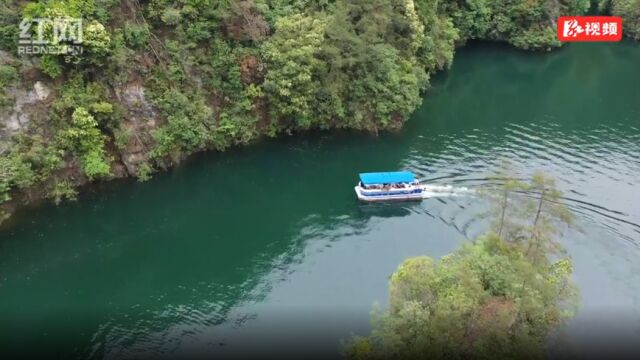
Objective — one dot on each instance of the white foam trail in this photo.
(444, 191)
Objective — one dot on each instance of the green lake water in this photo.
(266, 247)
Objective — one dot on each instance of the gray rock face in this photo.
(17, 118)
(5, 58)
(141, 119)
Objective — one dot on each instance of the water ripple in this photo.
(578, 159)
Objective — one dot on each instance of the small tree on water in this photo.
(528, 214)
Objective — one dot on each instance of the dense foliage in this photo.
(498, 297)
(629, 10)
(165, 78)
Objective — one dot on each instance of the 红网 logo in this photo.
(589, 28)
(60, 36)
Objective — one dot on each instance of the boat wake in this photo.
(430, 191)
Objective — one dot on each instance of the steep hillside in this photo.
(161, 79)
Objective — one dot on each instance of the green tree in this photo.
(436, 52)
(85, 139)
(529, 214)
(522, 23)
(293, 67)
(96, 40)
(187, 129)
(9, 20)
(8, 77)
(14, 172)
(629, 10)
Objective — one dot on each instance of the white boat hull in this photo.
(414, 193)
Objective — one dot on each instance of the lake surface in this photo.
(266, 246)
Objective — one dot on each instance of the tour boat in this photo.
(388, 186)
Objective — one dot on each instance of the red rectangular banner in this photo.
(589, 28)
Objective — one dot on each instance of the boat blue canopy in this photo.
(387, 177)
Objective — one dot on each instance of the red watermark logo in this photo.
(589, 28)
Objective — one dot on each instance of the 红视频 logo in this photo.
(589, 28)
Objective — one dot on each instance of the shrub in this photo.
(84, 139)
(62, 190)
(8, 74)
